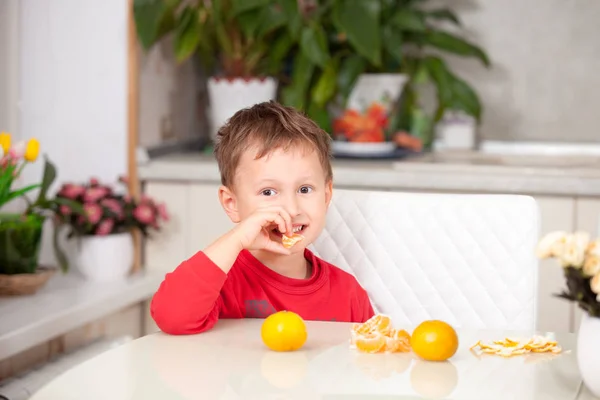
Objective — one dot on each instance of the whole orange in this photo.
(434, 340)
(284, 331)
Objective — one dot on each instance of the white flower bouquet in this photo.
(580, 258)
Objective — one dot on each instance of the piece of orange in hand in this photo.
(289, 241)
(434, 340)
(284, 331)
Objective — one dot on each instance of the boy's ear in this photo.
(328, 191)
(229, 203)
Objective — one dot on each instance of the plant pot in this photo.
(25, 284)
(227, 96)
(370, 88)
(105, 258)
(20, 241)
(588, 352)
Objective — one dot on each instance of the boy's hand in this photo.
(254, 233)
(251, 234)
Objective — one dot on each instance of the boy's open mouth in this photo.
(295, 229)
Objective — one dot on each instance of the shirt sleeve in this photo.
(188, 300)
(366, 309)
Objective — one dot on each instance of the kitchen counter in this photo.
(568, 175)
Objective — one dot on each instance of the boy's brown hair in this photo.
(268, 126)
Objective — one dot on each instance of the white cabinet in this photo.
(207, 218)
(167, 248)
(198, 219)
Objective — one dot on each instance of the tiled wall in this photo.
(544, 85)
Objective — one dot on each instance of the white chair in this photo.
(466, 259)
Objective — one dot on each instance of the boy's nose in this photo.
(292, 206)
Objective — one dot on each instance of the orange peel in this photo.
(509, 347)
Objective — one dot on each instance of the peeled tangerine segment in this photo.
(290, 241)
(377, 336)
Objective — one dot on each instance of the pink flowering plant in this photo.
(107, 211)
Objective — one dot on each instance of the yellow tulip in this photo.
(5, 141)
(32, 150)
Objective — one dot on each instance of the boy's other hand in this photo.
(257, 231)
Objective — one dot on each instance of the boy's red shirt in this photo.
(197, 293)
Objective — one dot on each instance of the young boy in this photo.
(276, 184)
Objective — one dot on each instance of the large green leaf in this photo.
(407, 19)
(292, 13)
(250, 21)
(454, 44)
(360, 21)
(320, 115)
(444, 14)
(325, 87)
(350, 69)
(187, 34)
(48, 178)
(314, 44)
(465, 98)
(241, 6)
(441, 76)
(279, 50)
(153, 19)
(271, 19)
(295, 94)
(392, 43)
(58, 251)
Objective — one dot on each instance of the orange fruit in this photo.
(378, 323)
(284, 331)
(434, 340)
(370, 343)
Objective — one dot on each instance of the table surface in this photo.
(231, 362)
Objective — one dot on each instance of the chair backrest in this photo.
(466, 259)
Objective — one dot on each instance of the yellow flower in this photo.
(32, 150)
(5, 141)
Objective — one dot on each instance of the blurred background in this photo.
(124, 98)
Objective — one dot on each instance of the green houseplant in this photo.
(232, 38)
(341, 40)
(21, 233)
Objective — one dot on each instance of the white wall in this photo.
(73, 87)
(544, 84)
(9, 64)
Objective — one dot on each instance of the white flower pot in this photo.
(229, 96)
(105, 258)
(588, 352)
(371, 88)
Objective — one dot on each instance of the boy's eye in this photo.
(268, 192)
(305, 189)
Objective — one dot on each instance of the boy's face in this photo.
(292, 179)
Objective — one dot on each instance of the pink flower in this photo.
(114, 206)
(105, 227)
(93, 212)
(162, 211)
(64, 210)
(17, 151)
(127, 199)
(94, 182)
(144, 214)
(71, 191)
(95, 193)
(124, 179)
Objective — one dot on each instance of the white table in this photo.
(230, 362)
